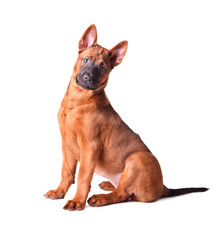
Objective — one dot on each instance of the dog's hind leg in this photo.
(141, 181)
(104, 199)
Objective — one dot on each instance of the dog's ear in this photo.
(117, 53)
(88, 38)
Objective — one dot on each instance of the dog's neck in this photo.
(77, 97)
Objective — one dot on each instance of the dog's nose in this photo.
(87, 78)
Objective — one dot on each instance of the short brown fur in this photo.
(95, 135)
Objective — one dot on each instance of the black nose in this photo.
(87, 78)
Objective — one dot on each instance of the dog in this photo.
(94, 135)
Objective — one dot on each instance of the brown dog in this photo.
(95, 135)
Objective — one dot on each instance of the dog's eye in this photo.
(102, 68)
(85, 60)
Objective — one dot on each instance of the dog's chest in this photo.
(70, 120)
(70, 124)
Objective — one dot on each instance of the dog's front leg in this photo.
(88, 160)
(68, 175)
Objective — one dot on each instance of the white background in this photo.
(169, 89)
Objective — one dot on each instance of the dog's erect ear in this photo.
(89, 37)
(117, 53)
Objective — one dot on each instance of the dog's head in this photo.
(94, 62)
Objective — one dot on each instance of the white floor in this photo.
(26, 214)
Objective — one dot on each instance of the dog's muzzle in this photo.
(86, 81)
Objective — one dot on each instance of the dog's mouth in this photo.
(85, 85)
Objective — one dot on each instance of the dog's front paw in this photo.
(73, 205)
(55, 194)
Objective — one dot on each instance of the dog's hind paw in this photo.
(107, 186)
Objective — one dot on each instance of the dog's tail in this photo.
(181, 191)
